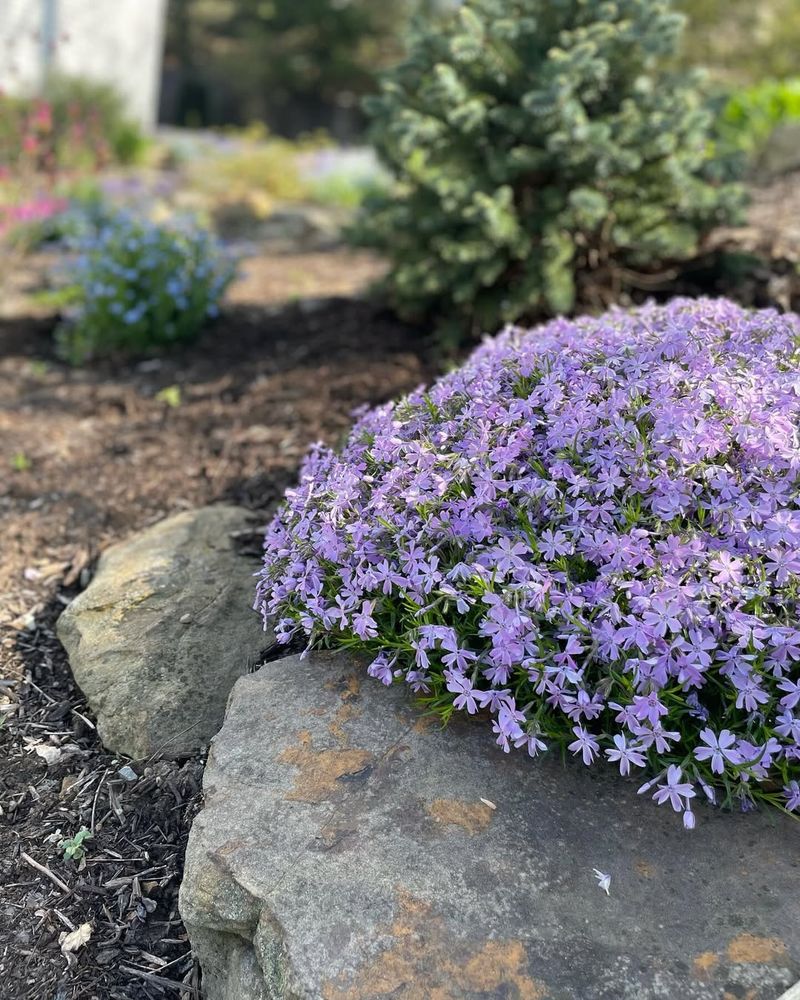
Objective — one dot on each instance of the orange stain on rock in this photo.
(425, 962)
(705, 964)
(320, 770)
(336, 727)
(425, 723)
(750, 949)
(470, 816)
(347, 688)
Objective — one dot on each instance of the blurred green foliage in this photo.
(101, 112)
(538, 146)
(74, 125)
(743, 41)
(748, 118)
(290, 63)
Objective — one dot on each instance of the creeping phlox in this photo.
(590, 532)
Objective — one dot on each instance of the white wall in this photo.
(117, 41)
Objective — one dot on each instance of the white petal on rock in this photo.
(603, 880)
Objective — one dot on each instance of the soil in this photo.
(89, 456)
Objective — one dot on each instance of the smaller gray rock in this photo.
(164, 629)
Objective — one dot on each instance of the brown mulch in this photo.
(124, 888)
(89, 456)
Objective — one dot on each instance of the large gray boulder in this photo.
(164, 629)
(349, 849)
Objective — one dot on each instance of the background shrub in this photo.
(536, 144)
(140, 287)
(91, 112)
(589, 530)
(742, 42)
(748, 117)
(76, 125)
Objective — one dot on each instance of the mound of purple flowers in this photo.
(591, 531)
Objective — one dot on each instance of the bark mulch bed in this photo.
(88, 457)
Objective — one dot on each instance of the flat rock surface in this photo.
(346, 852)
(164, 629)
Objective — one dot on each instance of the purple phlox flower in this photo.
(584, 706)
(726, 569)
(364, 625)
(788, 726)
(625, 714)
(463, 601)
(783, 564)
(648, 707)
(508, 555)
(461, 571)
(662, 616)
(386, 573)
(750, 694)
(585, 744)
(675, 791)
(381, 668)
(498, 673)
(785, 650)
(718, 749)
(420, 647)
(792, 689)
(461, 686)
(625, 754)
(456, 657)
(553, 544)
(697, 646)
(493, 698)
(608, 640)
(506, 725)
(338, 612)
(696, 709)
(748, 628)
(656, 736)
(635, 633)
(784, 526)
(609, 480)
(792, 793)
(419, 681)
(412, 557)
(532, 743)
(757, 759)
(433, 634)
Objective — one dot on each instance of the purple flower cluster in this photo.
(591, 533)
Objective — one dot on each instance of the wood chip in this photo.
(75, 939)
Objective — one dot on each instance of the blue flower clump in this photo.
(590, 534)
(139, 287)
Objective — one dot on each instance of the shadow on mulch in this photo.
(245, 338)
(126, 885)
